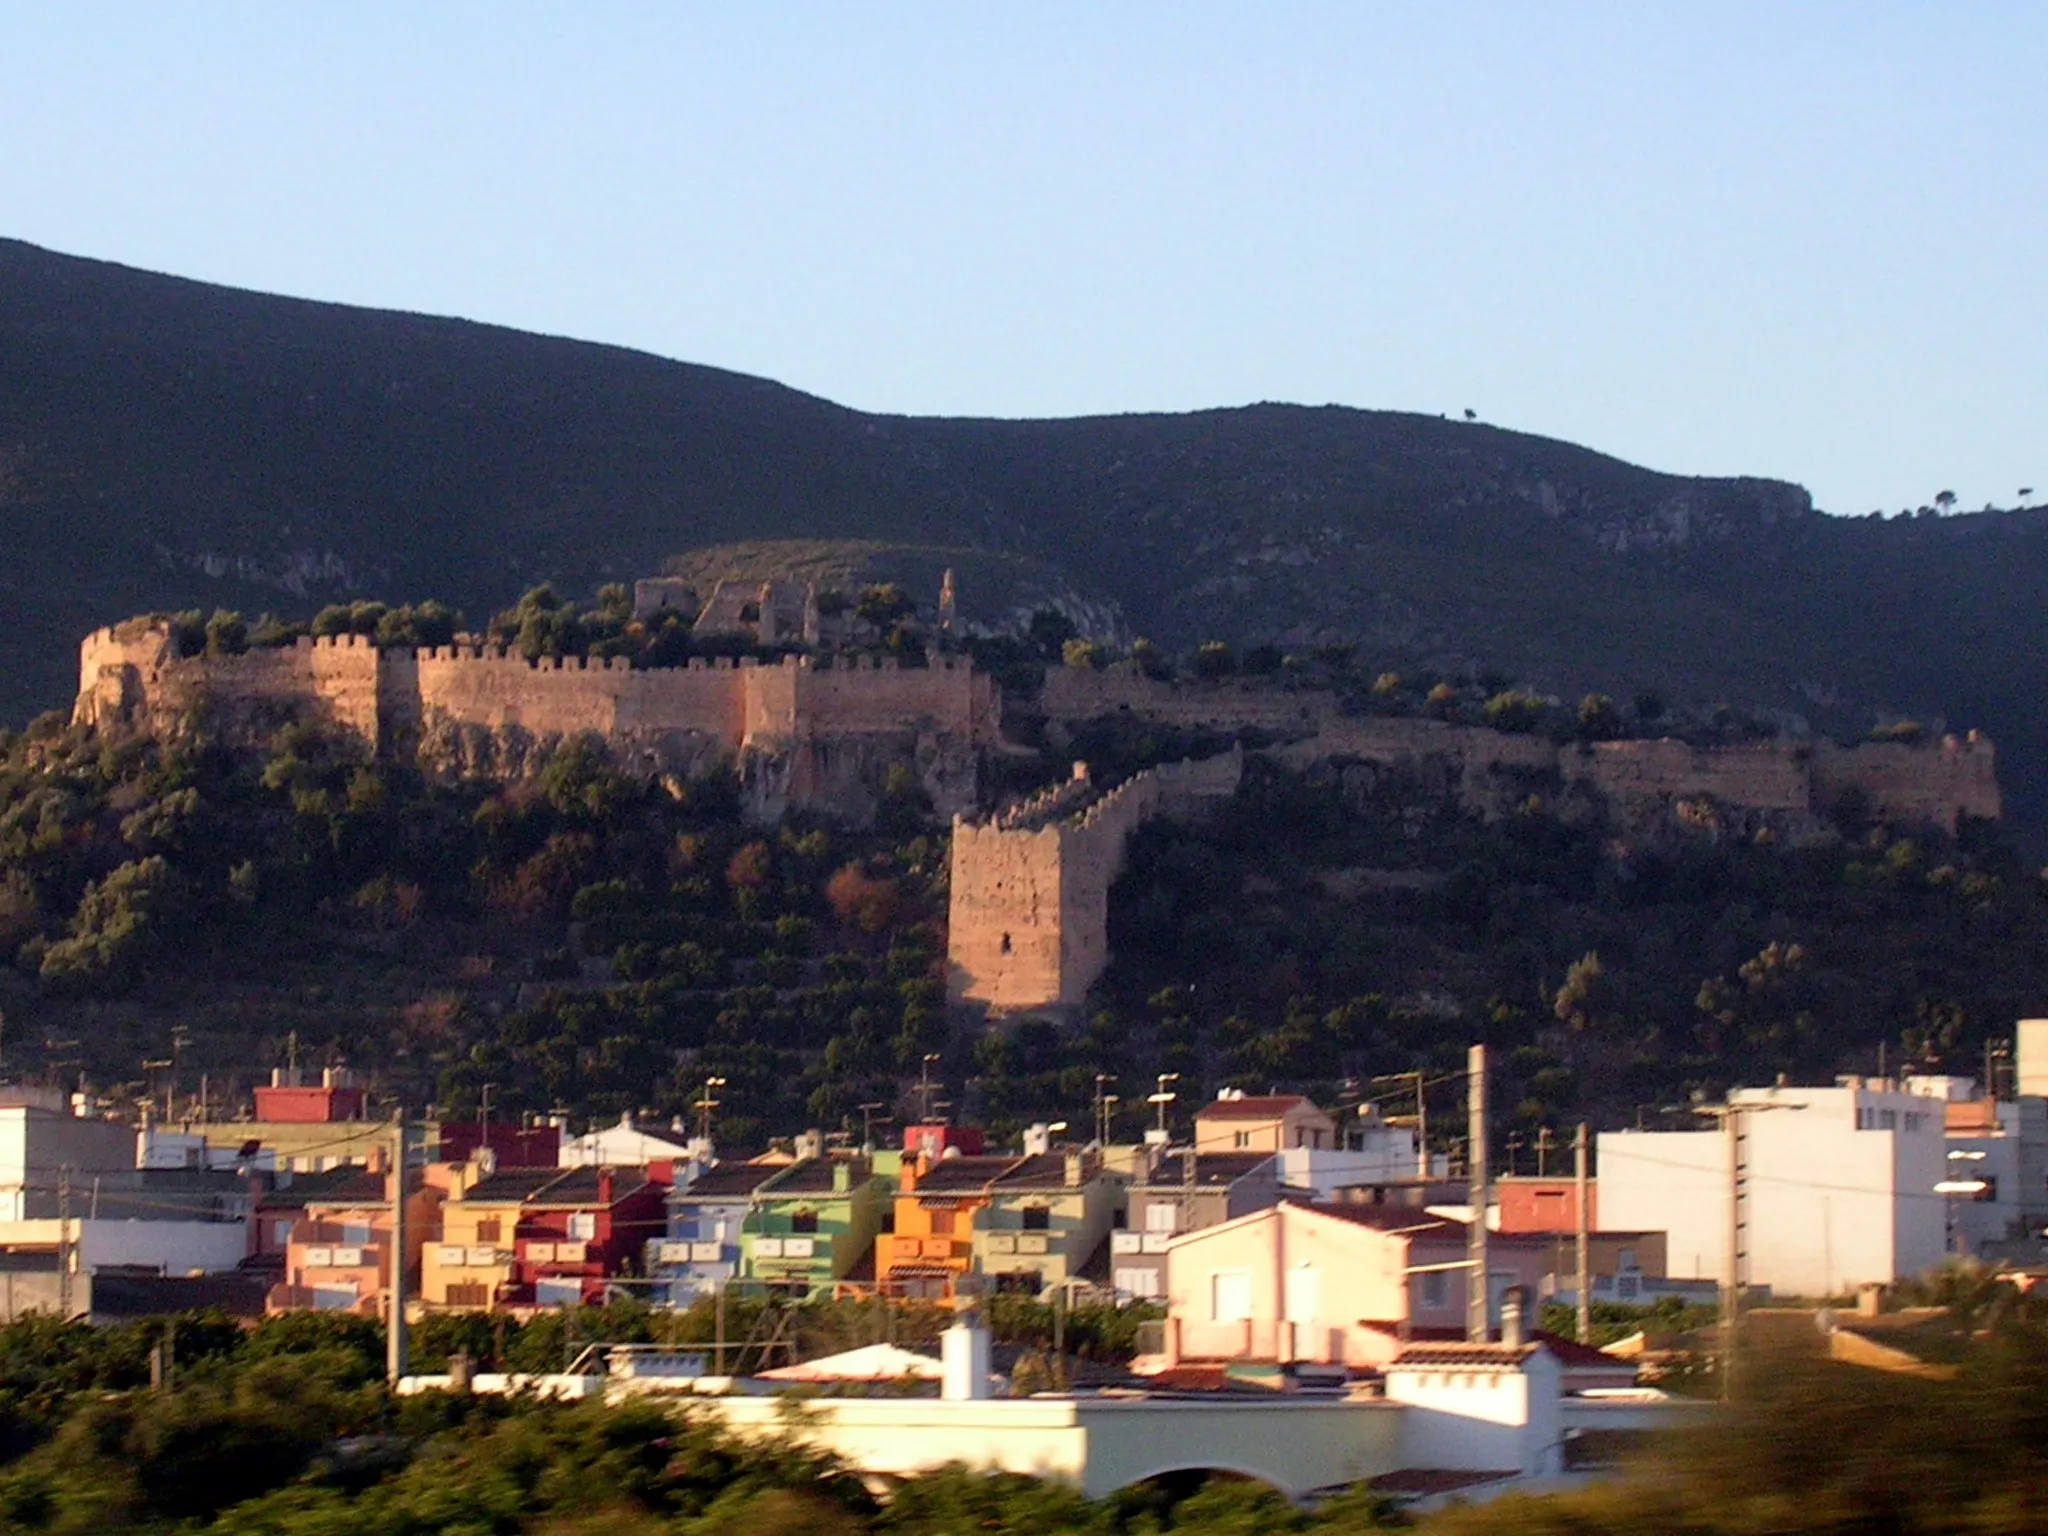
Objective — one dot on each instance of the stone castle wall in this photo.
(799, 734)
(1029, 920)
(1938, 783)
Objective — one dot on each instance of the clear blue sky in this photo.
(1807, 240)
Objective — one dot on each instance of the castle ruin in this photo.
(1029, 919)
(799, 734)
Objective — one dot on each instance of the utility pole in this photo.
(1422, 1168)
(1585, 1231)
(394, 1332)
(1478, 1319)
(1543, 1152)
(1732, 1117)
(867, 1123)
(1731, 1268)
(64, 1243)
(1103, 1100)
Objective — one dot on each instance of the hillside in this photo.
(168, 444)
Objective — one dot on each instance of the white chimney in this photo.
(963, 1360)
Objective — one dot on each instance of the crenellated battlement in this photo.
(1029, 919)
(798, 732)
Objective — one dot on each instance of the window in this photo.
(1006, 943)
(1241, 1140)
(1304, 1294)
(1138, 1284)
(942, 1223)
(1019, 1282)
(1230, 1296)
(355, 1233)
(583, 1225)
(489, 1229)
(1037, 1218)
(469, 1294)
(1162, 1217)
(803, 1221)
(1625, 1261)
(1436, 1288)
(281, 1232)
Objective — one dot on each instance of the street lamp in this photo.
(1162, 1097)
(705, 1105)
(924, 1086)
(1960, 1181)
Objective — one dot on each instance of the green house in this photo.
(812, 1224)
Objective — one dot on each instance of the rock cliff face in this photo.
(799, 735)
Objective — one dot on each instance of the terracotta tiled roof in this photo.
(1044, 1170)
(1264, 1107)
(1213, 1170)
(813, 1176)
(1580, 1356)
(1439, 1355)
(556, 1188)
(727, 1181)
(1405, 1220)
(510, 1184)
(963, 1175)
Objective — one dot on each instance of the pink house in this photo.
(1329, 1284)
(337, 1250)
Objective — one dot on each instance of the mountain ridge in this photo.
(167, 443)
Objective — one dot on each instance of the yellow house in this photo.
(1236, 1122)
(1047, 1216)
(474, 1262)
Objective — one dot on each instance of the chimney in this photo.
(1511, 1334)
(605, 1182)
(842, 1176)
(963, 1354)
(1075, 1173)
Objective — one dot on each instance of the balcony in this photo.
(694, 1253)
(555, 1253)
(812, 1248)
(471, 1256)
(341, 1256)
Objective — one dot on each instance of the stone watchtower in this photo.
(1029, 921)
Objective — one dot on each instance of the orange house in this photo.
(937, 1206)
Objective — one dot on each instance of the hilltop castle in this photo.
(1030, 886)
(800, 734)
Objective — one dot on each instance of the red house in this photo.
(544, 1236)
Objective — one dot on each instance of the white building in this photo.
(44, 1143)
(1997, 1175)
(631, 1145)
(1838, 1187)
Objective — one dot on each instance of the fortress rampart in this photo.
(799, 734)
(1937, 783)
(1029, 921)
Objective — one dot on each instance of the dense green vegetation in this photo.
(593, 944)
(1330, 928)
(287, 1430)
